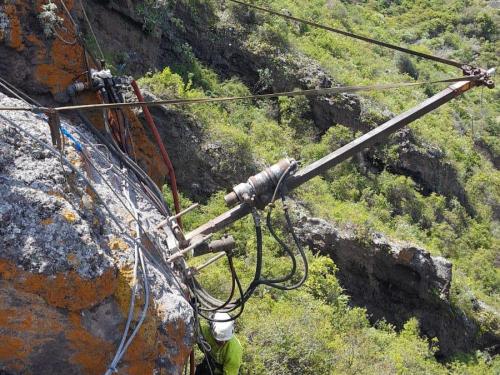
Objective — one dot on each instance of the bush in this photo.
(165, 84)
(405, 66)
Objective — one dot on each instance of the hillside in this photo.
(402, 239)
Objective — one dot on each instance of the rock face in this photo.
(427, 167)
(394, 282)
(66, 266)
(44, 66)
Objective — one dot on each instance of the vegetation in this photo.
(314, 330)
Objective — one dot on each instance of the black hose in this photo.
(240, 305)
(284, 246)
(302, 255)
(233, 287)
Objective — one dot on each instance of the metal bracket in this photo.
(484, 75)
(55, 127)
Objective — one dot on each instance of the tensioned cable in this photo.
(309, 92)
(92, 30)
(355, 36)
(18, 92)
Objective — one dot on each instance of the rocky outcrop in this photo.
(44, 66)
(66, 265)
(220, 40)
(425, 164)
(394, 281)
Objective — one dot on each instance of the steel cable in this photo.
(441, 60)
(310, 92)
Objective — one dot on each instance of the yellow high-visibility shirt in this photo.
(229, 355)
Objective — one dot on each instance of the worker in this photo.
(223, 354)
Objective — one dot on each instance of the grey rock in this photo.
(48, 227)
(394, 281)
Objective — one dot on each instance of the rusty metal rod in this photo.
(183, 252)
(209, 262)
(379, 133)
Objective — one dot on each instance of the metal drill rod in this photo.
(379, 133)
(209, 262)
(183, 252)
(172, 218)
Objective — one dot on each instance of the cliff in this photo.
(67, 253)
(66, 264)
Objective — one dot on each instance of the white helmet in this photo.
(222, 331)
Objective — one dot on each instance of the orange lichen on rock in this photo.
(12, 351)
(73, 260)
(15, 33)
(10, 318)
(146, 347)
(64, 290)
(47, 221)
(176, 333)
(91, 353)
(117, 244)
(147, 151)
(142, 353)
(40, 51)
(64, 65)
(24, 330)
(69, 216)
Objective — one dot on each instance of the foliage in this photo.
(315, 330)
(49, 19)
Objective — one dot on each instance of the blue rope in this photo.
(77, 144)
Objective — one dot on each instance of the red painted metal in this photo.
(163, 150)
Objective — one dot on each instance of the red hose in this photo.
(191, 363)
(163, 150)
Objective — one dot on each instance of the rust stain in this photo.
(65, 290)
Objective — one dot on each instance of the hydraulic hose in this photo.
(163, 150)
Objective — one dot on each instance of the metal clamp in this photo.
(484, 76)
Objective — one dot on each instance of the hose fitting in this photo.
(258, 189)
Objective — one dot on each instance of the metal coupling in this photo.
(485, 76)
(76, 88)
(225, 244)
(258, 189)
